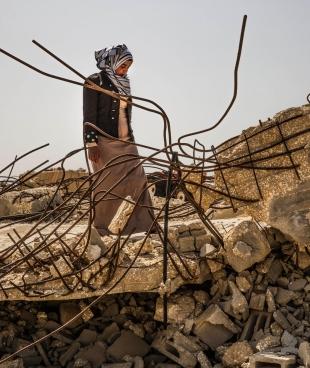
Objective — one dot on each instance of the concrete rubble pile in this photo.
(254, 311)
(240, 301)
(250, 310)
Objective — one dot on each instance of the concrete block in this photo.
(128, 344)
(186, 244)
(282, 321)
(176, 347)
(203, 360)
(69, 353)
(180, 307)
(206, 250)
(257, 321)
(257, 301)
(214, 327)
(261, 360)
(239, 303)
(284, 296)
(110, 333)
(87, 337)
(245, 244)
(94, 354)
(271, 305)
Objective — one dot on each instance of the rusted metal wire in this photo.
(234, 92)
(46, 244)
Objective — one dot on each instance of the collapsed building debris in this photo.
(232, 291)
(224, 322)
(249, 165)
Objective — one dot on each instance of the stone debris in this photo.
(245, 245)
(240, 303)
(180, 307)
(29, 201)
(177, 347)
(214, 327)
(127, 344)
(257, 360)
(122, 214)
(229, 318)
(237, 354)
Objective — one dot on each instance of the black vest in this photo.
(103, 110)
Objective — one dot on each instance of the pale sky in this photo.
(184, 55)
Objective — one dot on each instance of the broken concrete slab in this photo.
(110, 333)
(122, 214)
(180, 307)
(290, 212)
(214, 327)
(145, 275)
(284, 296)
(245, 245)
(268, 148)
(127, 344)
(69, 353)
(95, 354)
(203, 360)
(243, 283)
(176, 347)
(257, 301)
(239, 303)
(87, 337)
(288, 340)
(282, 321)
(256, 321)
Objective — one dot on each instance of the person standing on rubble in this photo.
(113, 138)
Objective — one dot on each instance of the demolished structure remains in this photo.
(223, 282)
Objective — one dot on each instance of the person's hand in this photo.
(93, 154)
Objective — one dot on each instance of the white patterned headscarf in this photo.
(109, 59)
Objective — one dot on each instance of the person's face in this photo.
(123, 68)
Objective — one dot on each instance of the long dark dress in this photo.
(130, 180)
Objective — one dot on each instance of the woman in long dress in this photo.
(113, 117)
